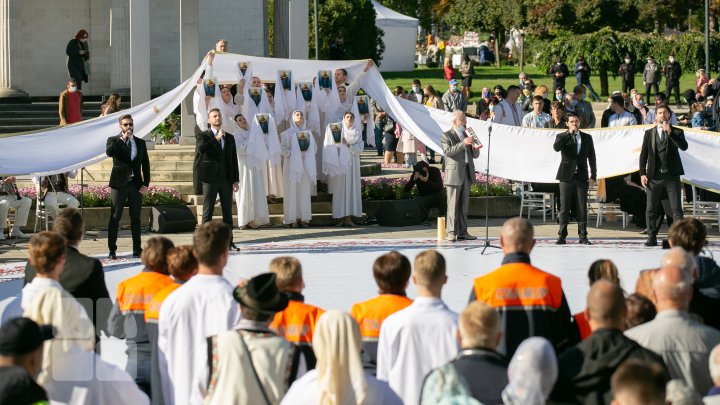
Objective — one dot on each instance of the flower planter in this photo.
(98, 217)
(500, 207)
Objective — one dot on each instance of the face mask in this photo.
(582, 97)
(559, 98)
(416, 89)
(627, 60)
(708, 109)
(671, 60)
(73, 89)
(453, 87)
(558, 63)
(486, 94)
(641, 103)
(573, 103)
(492, 108)
(461, 129)
(544, 95)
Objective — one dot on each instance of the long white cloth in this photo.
(284, 99)
(345, 186)
(251, 197)
(78, 145)
(298, 176)
(336, 157)
(413, 341)
(201, 307)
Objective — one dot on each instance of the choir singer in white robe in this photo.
(338, 377)
(251, 199)
(202, 307)
(299, 173)
(341, 163)
(421, 337)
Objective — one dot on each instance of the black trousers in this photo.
(648, 92)
(576, 188)
(118, 198)
(673, 86)
(210, 193)
(435, 200)
(627, 85)
(655, 192)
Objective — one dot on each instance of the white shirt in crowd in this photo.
(650, 117)
(508, 114)
(533, 120)
(305, 391)
(413, 341)
(623, 120)
(202, 307)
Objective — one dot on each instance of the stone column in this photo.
(8, 20)
(299, 47)
(189, 51)
(139, 51)
(281, 25)
(120, 47)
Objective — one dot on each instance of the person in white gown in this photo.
(341, 163)
(299, 173)
(251, 199)
(338, 377)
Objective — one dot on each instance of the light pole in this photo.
(317, 47)
(707, 37)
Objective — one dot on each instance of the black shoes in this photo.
(466, 237)
(651, 241)
(584, 241)
(112, 256)
(561, 241)
(234, 247)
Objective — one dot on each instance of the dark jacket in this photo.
(582, 72)
(485, 371)
(585, 369)
(572, 161)
(627, 72)
(83, 277)
(210, 152)
(76, 62)
(126, 170)
(672, 72)
(648, 154)
(708, 281)
(434, 183)
(561, 68)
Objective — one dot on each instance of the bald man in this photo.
(459, 171)
(530, 301)
(683, 343)
(586, 368)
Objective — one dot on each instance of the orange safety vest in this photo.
(296, 323)
(583, 325)
(152, 309)
(136, 292)
(371, 313)
(519, 285)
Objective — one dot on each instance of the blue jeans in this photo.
(379, 138)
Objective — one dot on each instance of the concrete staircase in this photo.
(171, 166)
(39, 115)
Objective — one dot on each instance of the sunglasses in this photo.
(127, 125)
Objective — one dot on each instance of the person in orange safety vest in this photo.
(392, 274)
(127, 317)
(296, 323)
(530, 301)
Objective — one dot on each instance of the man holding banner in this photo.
(578, 151)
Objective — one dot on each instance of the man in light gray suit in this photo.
(459, 172)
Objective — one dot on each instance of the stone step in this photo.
(199, 199)
(156, 165)
(317, 220)
(322, 207)
(175, 176)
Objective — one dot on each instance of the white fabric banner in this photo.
(523, 154)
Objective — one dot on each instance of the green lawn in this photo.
(507, 75)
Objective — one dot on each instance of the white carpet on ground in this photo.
(339, 273)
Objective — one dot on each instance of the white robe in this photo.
(414, 341)
(78, 375)
(305, 391)
(202, 307)
(298, 188)
(251, 197)
(346, 188)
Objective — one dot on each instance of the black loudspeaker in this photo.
(399, 213)
(172, 219)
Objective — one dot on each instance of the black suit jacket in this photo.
(208, 156)
(123, 166)
(648, 154)
(83, 277)
(565, 144)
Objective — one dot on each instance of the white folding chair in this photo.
(705, 209)
(536, 201)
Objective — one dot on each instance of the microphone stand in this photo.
(486, 243)
(92, 237)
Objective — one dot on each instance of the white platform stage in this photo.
(339, 273)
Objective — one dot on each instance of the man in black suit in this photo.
(82, 276)
(217, 168)
(577, 151)
(129, 180)
(661, 168)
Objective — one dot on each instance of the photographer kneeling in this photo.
(431, 193)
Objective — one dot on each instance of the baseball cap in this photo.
(20, 336)
(453, 81)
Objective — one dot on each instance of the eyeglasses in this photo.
(127, 125)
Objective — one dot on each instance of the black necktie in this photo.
(128, 144)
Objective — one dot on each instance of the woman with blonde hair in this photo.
(338, 377)
(112, 105)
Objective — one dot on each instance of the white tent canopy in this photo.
(400, 38)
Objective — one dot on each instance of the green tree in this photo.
(352, 20)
